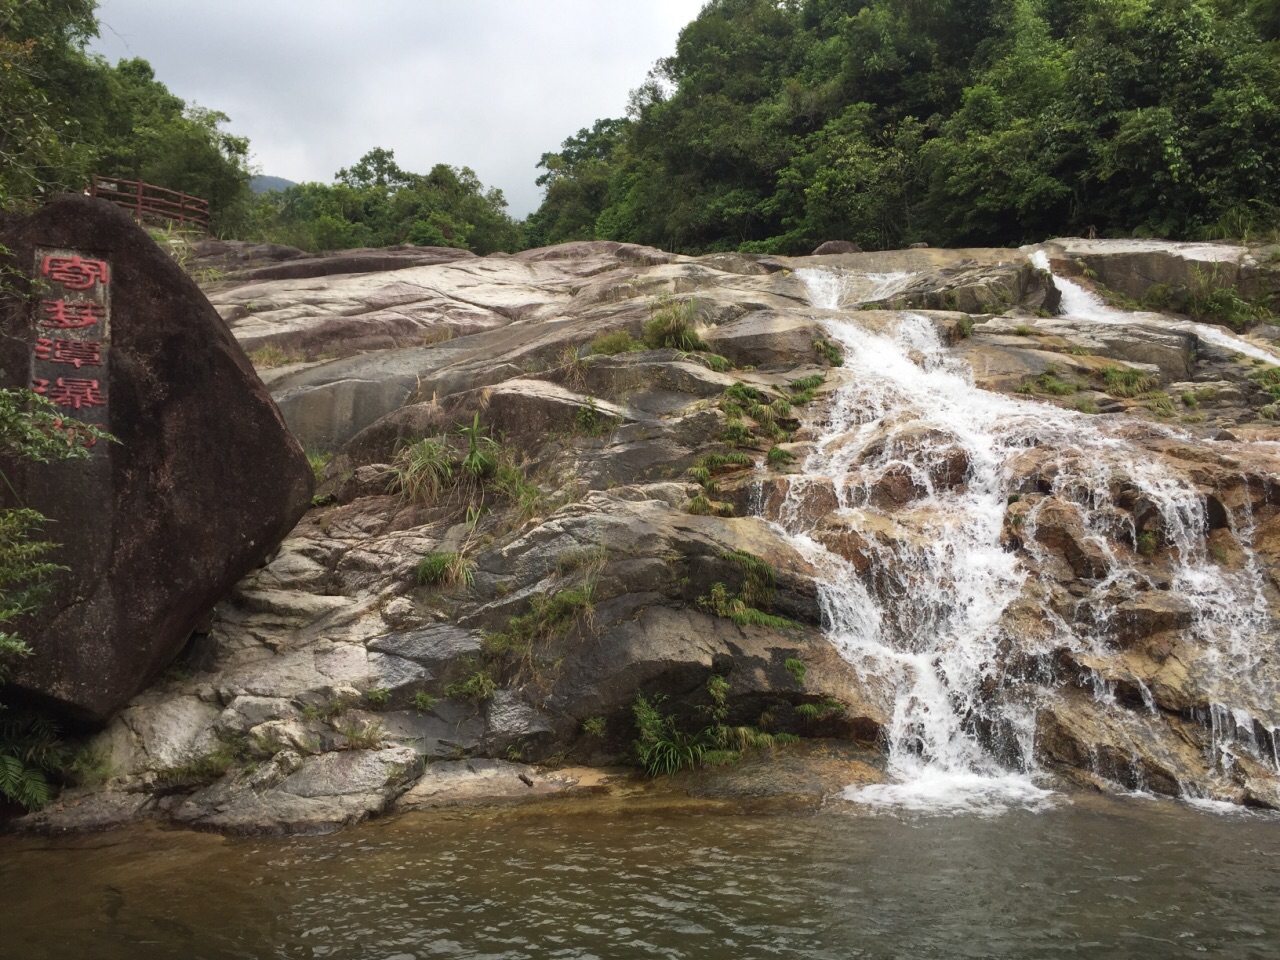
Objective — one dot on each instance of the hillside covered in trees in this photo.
(66, 114)
(775, 125)
(781, 123)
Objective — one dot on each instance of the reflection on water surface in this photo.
(1092, 878)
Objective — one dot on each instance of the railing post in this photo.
(139, 201)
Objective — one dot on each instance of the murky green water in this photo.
(1093, 878)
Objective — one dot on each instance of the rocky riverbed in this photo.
(920, 507)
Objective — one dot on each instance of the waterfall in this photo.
(927, 614)
(1081, 304)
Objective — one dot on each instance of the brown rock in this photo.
(204, 482)
(836, 246)
(1059, 527)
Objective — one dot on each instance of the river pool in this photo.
(1090, 877)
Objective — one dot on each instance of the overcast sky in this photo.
(314, 84)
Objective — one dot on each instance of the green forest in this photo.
(776, 124)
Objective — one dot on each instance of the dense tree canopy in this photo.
(375, 203)
(65, 114)
(781, 123)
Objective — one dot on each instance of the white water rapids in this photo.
(930, 616)
(1080, 304)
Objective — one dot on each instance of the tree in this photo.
(41, 48)
(780, 123)
(577, 184)
(144, 132)
(376, 203)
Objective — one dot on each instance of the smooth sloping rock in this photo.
(462, 782)
(84, 812)
(204, 482)
(329, 791)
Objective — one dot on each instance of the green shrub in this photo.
(593, 726)
(205, 769)
(828, 351)
(423, 470)
(476, 686)
(273, 355)
(824, 708)
(30, 751)
(91, 767)
(318, 460)
(1147, 543)
(481, 459)
(363, 736)
(612, 344)
(547, 617)
(424, 702)
(511, 482)
(673, 325)
(704, 506)
(758, 578)
(778, 457)
(796, 668)
(1126, 382)
(743, 395)
(1213, 298)
(723, 604)
(714, 362)
(1158, 296)
(709, 466)
(662, 748)
(441, 568)
(804, 390)
(590, 422)
(1048, 383)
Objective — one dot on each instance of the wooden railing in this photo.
(149, 202)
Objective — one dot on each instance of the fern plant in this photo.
(31, 428)
(30, 749)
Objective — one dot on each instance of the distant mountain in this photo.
(263, 184)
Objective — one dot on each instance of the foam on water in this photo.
(941, 793)
(829, 290)
(962, 731)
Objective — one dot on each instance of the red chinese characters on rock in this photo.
(71, 315)
(78, 353)
(71, 392)
(72, 332)
(75, 273)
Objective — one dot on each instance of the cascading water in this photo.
(928, 614)
(1080, 304)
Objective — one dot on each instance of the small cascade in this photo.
(829, 290)
(1081, 304)
(924, 466)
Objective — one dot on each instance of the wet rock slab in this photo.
(318, 795)
(451, 783)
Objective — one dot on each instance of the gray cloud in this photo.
(313, 84)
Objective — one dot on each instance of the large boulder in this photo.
(205, 478)
(836, 246)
